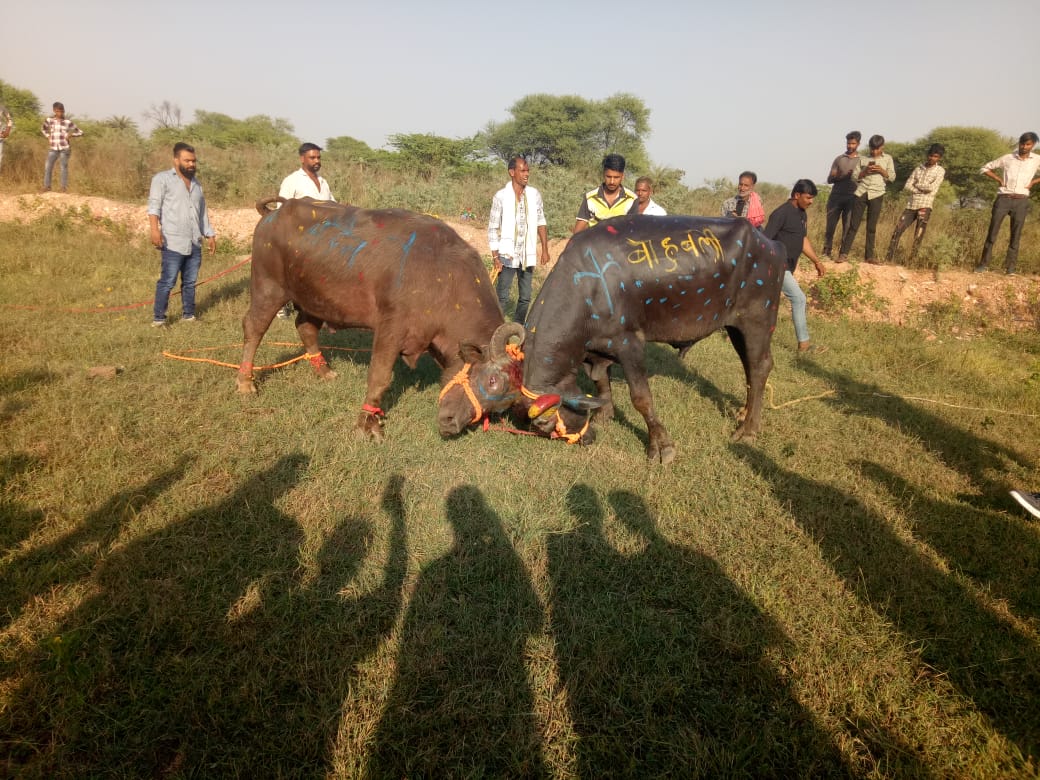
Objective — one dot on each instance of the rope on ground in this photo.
(186, 357)
(828, 393)
(103, 309)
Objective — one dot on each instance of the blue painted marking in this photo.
(715, 317)
(700, 317)
(610, 343)
(722, 286)
(740, 243)
(707, 301)
(639, 282)
(354, 254)
(662, 300)
(595, 316)
(743, 285)
(768, 302)
(733, 262)
(758, 282)
(600, 274)
(622, 319)
(716, 275)
(625, 342)
(754, 265)
(682, 292)
(676, 305)
(622, 286)
(588, 301)
(729, 301)
(647, 301)
(699, 291)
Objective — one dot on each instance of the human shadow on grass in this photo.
(959, 449)
(17, 521)
(208, 650)
(1000, 552)
(461, 705)
(664, 659)
(980, 653)
(31, 572)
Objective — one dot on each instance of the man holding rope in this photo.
(177, 213)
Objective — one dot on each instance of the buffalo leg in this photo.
(598, 370)
(254, 326)
(380, 372)
(660, 446)
(308, 327)
(757, 358)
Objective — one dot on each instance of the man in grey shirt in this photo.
(843, 190)
(178, 220)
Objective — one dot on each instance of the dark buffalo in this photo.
(408, 278)
(635, 279)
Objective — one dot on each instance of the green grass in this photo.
(200, 584)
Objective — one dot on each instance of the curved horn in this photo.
(262, 205)
(502, 336)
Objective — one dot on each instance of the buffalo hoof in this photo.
(370, 427)
(663, 454)
(245, 385)
(326, 373)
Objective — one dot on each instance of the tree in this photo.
(571, 131)
(120, 123)
(428, 152)
(967, 149)
(352, 150)
(165, 116)
(22, 103)
(222, 131)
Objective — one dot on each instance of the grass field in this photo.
(200, 584)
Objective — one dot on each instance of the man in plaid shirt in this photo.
(58, 130)
(922, 185)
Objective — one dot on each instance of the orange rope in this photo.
(102, 309)
(272, 366)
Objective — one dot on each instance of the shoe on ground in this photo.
(285, 312)
(1010, 272)
(158, 323)
(842, 259)
(1029, 501)
(192, 318)
(872, 261)
(981, 269)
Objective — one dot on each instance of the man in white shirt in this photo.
(516, 227)
(645, 203)
(305, 182)
(1019, 176)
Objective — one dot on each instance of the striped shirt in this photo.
(923, 184)
(58, 132)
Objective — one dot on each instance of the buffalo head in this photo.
(489, 380)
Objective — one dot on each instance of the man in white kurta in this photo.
(516, 228)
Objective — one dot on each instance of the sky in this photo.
(739, 84)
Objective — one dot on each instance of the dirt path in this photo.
(1009, 303)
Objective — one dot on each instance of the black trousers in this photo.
(838, 207)
(1017, 209)
(873, 209)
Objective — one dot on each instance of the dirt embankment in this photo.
(899, 295)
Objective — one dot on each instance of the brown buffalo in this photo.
(408, 278)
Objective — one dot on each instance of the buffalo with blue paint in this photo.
(408, 278)
(638, 279)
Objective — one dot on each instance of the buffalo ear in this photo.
(472, 353)
(583, 403)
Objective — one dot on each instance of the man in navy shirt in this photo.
(788, 225)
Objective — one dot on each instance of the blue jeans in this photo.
(53, 155)
(794, 294)
(187, 266)
(504, 284)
